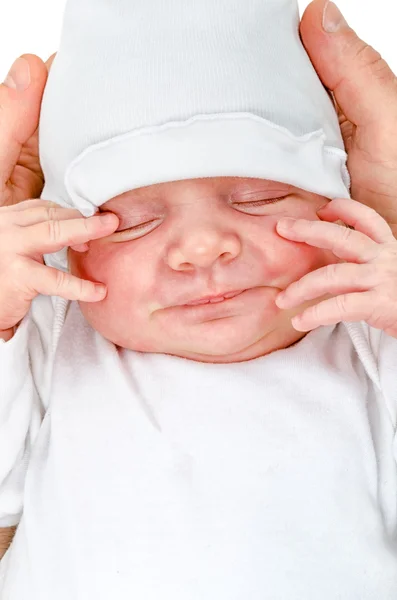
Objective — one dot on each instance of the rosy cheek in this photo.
(294, 259)
(86, 264)
(308, 258)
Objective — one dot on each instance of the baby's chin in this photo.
(222, 341)
(276, 339)
(267, 345)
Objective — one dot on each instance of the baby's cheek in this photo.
(101, 263)
(87, 265)
(295, 259)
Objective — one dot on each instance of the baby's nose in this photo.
(203, 249)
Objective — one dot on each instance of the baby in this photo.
(177, 436)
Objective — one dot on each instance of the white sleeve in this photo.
(385, 348)
(25, 372)
(387, 368)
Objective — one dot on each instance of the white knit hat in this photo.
(150, 91)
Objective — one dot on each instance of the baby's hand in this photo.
(30, 229)
(365, 286)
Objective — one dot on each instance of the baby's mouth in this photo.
(214, 299)
(156, 306)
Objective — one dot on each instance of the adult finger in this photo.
(356, 73)
(365, 91)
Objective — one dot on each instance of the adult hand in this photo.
(21, 176)
(365, 90)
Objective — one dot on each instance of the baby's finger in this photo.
(52, 282)
(363, 218)
(51, 236)
(20, 206)
(348, 307)
(38, 214)
(332, 279)
(345, 243)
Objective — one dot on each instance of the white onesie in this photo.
(148, 476)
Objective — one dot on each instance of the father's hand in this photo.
(365, 90)
(21, 176)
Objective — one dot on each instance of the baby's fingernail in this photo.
(286, 223)
(100, 289)
(107, 219)
(280, 299)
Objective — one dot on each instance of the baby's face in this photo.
(182, 241)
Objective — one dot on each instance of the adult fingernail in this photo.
(333, 20)
(19, 76)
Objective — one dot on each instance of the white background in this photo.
(34, 26)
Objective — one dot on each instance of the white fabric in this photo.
(144, 476)
(143, 92)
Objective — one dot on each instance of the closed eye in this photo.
(137, 227)
(261, 202)
(136, 231)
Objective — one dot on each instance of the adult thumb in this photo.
(362, 82)
(21, 96)
(20, 103)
